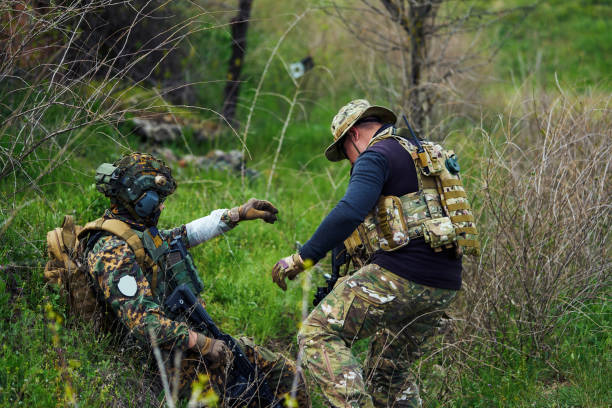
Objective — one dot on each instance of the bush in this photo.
(544, 188)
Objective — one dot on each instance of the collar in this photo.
(382, 129)
(117, 214)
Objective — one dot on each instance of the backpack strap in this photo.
(69, 233)
(127, 234)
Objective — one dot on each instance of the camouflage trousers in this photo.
(398, 315)
(280, 374)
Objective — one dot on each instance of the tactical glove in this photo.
(214, 351)
(288, 267)
(253, 209)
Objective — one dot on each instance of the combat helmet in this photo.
(347, 116)
(139, 182)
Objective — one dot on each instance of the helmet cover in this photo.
(134, 181)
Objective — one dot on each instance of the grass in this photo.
(236, 267)
(47, 360)
(568, 38)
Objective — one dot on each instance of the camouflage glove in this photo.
(252, 210)
(288, 267)
(214, 351)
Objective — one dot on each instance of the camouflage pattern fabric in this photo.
(137, 164)
(112, 259)
(438, 232)
(347, 116)
(441, 193)
(129, 178)
(279, 372)
(398, 315)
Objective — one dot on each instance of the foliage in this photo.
(532, 324)
(569, 38)
(128, 36)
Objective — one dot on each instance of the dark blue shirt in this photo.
(385, 168)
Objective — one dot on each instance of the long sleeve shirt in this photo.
(385, 168)
(367, 179)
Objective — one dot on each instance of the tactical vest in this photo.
(439, 211)
(166, 265)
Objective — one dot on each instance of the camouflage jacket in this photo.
(139, 308)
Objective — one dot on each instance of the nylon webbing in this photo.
(123, 231)
(462, 218)
(467, 230)
(458, 206)
(451, 182)
(469, 243)
(154, 278)
(429, 182)
(455, 194)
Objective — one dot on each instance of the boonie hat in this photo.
(347, 116)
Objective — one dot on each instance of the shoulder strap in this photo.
(399, 134)
(123, 231)
(386, 134)
(68, 232)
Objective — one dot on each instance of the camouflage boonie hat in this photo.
(134, 174)
(347, 116)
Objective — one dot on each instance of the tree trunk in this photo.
(416, 18)
(239, 25)
(418, 13)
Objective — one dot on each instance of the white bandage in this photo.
(206, 228)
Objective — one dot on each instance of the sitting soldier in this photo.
(135, 268)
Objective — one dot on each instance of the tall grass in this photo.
(542, 180)
(545, 215)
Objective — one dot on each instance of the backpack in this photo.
(66, 268)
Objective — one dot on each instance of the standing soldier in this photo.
(134, 268)
(405, 222)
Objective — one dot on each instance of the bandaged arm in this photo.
(206, 228)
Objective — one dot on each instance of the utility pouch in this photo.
(390, 223)
(181, 268)
(435, 159)
(439, 232)
(358, 248)
(154, 244)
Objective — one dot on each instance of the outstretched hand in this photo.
(254, 209)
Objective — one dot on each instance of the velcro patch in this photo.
(127, 285)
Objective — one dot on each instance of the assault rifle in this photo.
(339, 258)
(244, 383)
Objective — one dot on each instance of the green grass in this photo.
(580, 350)
(240, 296)
(235, 268)
(572, 39)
